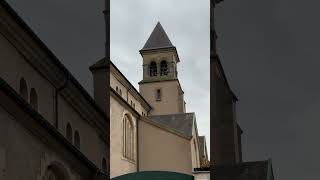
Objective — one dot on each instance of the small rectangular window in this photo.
(158, 95)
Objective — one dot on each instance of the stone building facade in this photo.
(50, 127)
(150, 129)
(226, 155)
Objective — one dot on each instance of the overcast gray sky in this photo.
(132, 23)
(74, 31)
(270, 53)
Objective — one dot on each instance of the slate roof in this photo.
(257, 170)
(158, 39)
(181, 123)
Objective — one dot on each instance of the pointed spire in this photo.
(158, 39)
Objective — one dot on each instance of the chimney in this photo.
(100, 70)
(101, 82)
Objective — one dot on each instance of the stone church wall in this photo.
(162, 150)
(126, 93)
(13, 67)
(26, 154)
(119, 165)
(169, 103)
(194, 143)
(90, 142)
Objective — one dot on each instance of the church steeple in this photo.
(158, 39)
(160, 57)
(160, 85)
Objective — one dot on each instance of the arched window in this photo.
(117, 88)
(104, 166)
(34, 99)
(153, 69)
(56, 171)
(163, 68)
(120, 92)
(69, 132)
(128, 140)
(77, 139)
(23, 89)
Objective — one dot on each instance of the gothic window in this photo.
(117, 88)
(69, 132)
(77, 139)
(158, 94)
(163, 68)
(153, 69)
(23, 89)
(120, 92)
(104, 165)
(34, 99)
(128, 138)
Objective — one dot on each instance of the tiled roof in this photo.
(181, 123)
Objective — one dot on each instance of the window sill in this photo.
(129, 160)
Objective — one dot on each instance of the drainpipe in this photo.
(57, 93)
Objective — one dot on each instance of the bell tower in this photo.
(160, 84)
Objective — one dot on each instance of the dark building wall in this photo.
(223, 125)
(225, 140)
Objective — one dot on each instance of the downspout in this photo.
(56, 96)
